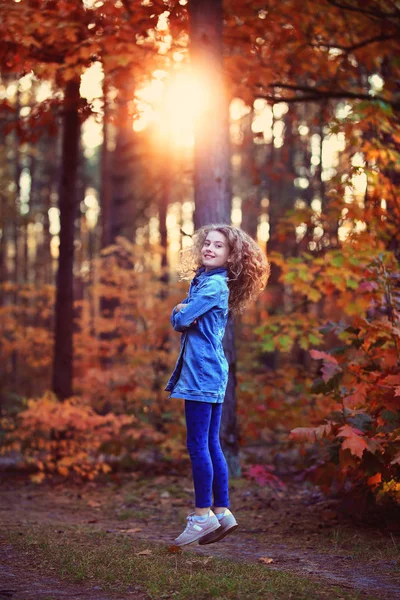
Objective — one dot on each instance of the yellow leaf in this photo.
(38, 478)
(266, 560)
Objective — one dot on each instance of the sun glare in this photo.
(175, 104)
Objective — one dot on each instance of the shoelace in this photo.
(190, 519)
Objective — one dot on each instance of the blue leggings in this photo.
(210, 471)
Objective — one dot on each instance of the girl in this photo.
(230, 271)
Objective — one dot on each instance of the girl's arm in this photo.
(176, 309)
(205, 298)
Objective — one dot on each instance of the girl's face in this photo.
(215, 250)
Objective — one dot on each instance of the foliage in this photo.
(359, 374)
(123, 355)
(69, 437)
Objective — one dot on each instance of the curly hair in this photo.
(248, 267)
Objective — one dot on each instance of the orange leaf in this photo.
(310, 434)
(375, 479)
(174, 549)
(353, 440)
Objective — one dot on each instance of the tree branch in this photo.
(315, 95)
(373, 40)
(371, 13)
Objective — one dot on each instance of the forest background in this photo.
(124, 126)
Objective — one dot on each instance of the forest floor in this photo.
(105, 541)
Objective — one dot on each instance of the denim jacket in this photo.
(201, 371)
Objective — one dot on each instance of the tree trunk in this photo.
(63, 342)
(212, 174)
(106, 187)
(211, 153)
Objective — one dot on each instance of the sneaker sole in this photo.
(198, 536)
(211, 538)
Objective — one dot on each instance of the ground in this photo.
(294, 530)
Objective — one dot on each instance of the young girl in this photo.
(230, 271)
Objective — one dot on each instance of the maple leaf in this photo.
(330, 365)
(354, 440)
(358, 396)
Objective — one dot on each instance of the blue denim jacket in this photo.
(201, 371)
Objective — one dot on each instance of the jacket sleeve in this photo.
(206, 297)
(185, 301)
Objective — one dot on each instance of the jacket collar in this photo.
(202, 271)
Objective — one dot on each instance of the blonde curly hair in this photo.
(248, 267)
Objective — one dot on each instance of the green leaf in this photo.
(268, 345)
(285, 342)
(291, 276)
(314, 295)
(337, 261)
(352, 284)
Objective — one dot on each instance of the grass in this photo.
(82, 555)
(363, 546)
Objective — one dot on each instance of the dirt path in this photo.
(297, 529)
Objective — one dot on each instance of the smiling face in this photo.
(215, 250)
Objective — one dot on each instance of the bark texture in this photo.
(63, 342)
(212, 179)
(211, 153)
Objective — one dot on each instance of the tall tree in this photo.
(212, 153)
(212, 172)
(63, 351)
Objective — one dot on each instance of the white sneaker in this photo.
(228, 524)
(196, 529)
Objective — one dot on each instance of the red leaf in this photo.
(330, 366)
(353, 440)
(319, 355)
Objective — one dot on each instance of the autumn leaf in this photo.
(396, 460)
(266, 560)
(174, 549)
(319, 355)
(131, 530)
(146, 552)
(310, 434)
(330, 365)
(94, 503)
(374, 480)
(354, 441)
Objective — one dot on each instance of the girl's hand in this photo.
(179, 307)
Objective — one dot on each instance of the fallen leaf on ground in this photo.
(144, 552)
(94, 503)
(132, 530)
(175, 549)
(266, 560)
(207, 560)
